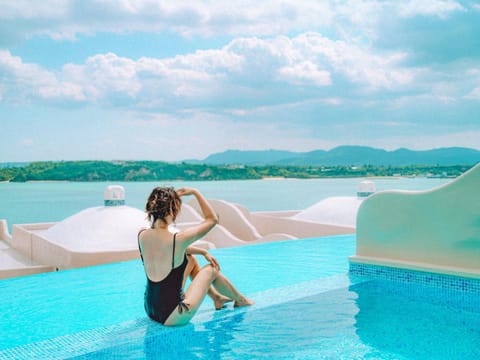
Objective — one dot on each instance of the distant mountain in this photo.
(260, 157)
(348, 155)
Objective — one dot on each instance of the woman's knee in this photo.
(212, 271)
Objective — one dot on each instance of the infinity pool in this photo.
(307, 307)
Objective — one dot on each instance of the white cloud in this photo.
(305, 72)
(291, 108)
(65, 19)
(27, 142)
(427, 141)
(474, 94)
(208, 133)
(357, 64)
(332, 101)
(238, 70)
(440, 8)
(33, 10)
(471, 78)
(30, 81)
(105, 74)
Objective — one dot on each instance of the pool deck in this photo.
(13, 263)
(31, 249)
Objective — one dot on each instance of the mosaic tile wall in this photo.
(444, 281)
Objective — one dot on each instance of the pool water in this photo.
(373, 319)
(49, 305)
(306, 307)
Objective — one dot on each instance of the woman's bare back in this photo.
(157, 247)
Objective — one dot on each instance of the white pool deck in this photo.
(108, 233)
(13, 263)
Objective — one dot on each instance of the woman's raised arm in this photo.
(196, 232)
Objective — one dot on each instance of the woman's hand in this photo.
(212, 261)
(193, 250)
(185, 191)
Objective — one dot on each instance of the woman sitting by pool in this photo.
(168, 261)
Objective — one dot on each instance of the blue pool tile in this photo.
(416, 277)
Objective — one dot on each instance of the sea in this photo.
(35, 202)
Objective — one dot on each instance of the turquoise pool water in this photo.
(373, 320)
(307, 307)
(55, 304)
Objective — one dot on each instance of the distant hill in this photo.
(250, 157)
(92, 170)
(348, 155)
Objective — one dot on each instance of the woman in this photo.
(167, 260)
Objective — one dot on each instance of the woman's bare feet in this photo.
(220, 301)
(243, 302)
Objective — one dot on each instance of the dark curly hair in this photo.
(163, 201)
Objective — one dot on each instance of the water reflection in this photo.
(372, 319)
(205, 341)
(317, 325)
(417, 322)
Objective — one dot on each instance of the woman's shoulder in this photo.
(182, 236)
(146, 235)
(141, 231)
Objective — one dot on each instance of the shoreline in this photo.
(95, 171)
(265, 178)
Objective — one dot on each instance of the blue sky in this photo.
(174, 80)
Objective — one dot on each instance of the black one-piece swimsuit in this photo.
(161, 297)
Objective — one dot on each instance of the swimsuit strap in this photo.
(138, 240)
(173, 253)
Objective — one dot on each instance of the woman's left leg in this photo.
(192, 270)
(194, 295)
(198, 289)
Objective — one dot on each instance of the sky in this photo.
(177, 80)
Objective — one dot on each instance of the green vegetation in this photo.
(155, 170)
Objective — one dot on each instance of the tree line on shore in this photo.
(157, 170)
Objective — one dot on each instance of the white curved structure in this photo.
(234, 228)
(14, 262)
(93, 236)
(98, 229)
(341, 211)
(234, 219)
(333, 216)
(109, 233)
(436, 230)
(4, 234)
(188, 214)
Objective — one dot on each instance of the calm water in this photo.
(55, 304)
(306, 308)
(370, 320)
(54, 201)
